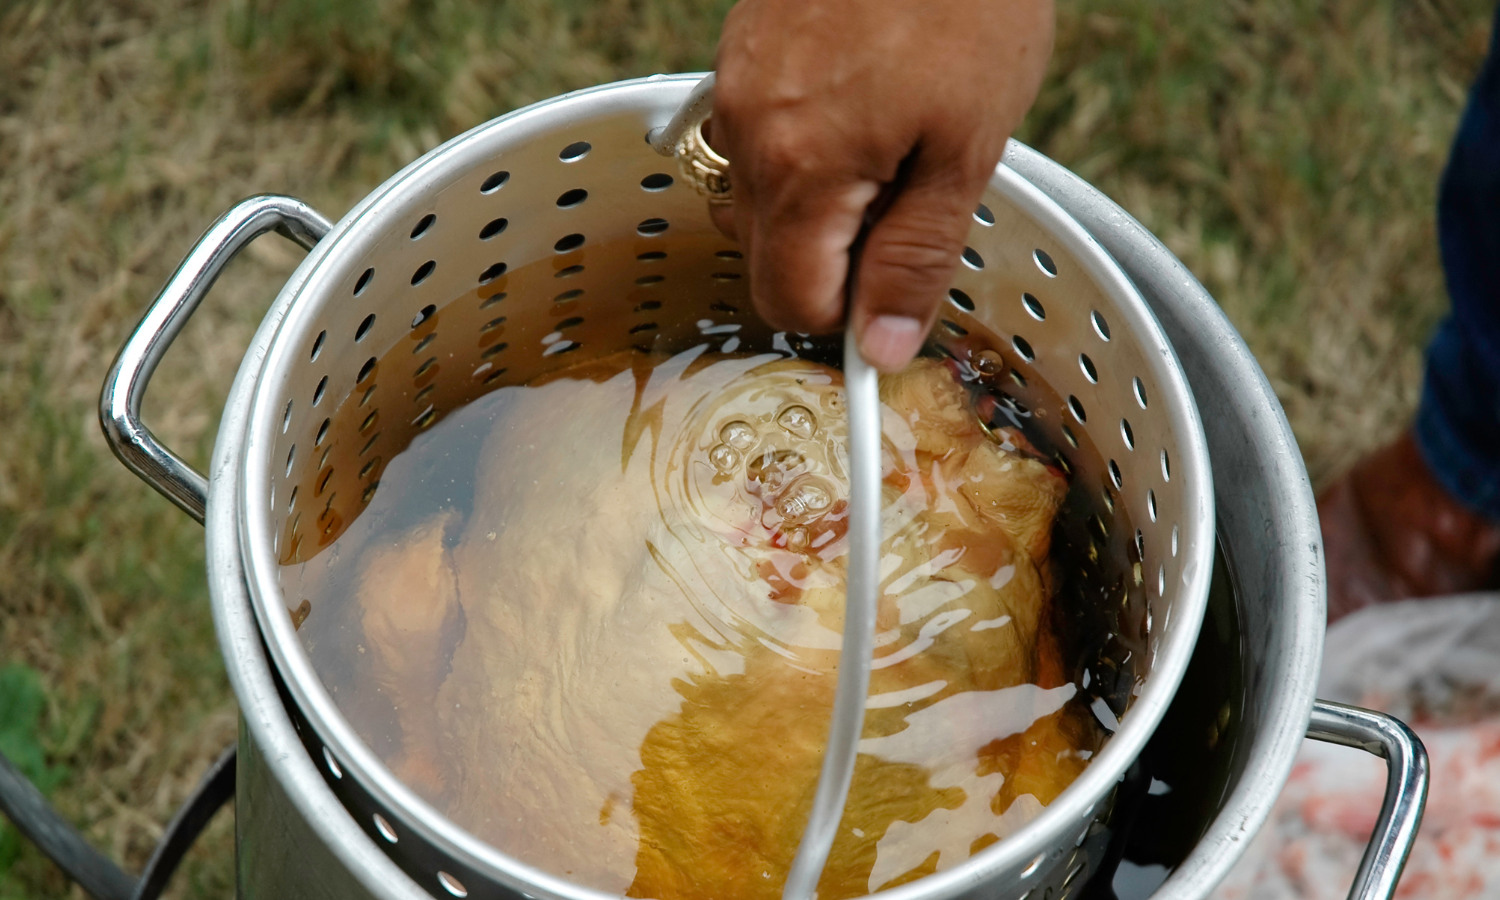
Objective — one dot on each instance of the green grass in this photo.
(1287, 151)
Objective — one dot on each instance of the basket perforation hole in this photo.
(1032, 866)
(565, 296)
(423, 315)
(424, 343)
(291, 456)
(568, 242)
(1127, 434)
(492, 324)
(320, 390)
(371, 442)
(961, 300)
(1161, 590)
(495, 375)
(721, 306)
(1101, 327)
(955, 329)
(291, 500)
(494, 183)
(972, 259)
(646, 280)
(1018, 378)
(1087, 365)
(1175, 531)
(729, 254)
(1109, 500)
(492, 273)
(493, 299)
(648, 306)
(983, 216)
(369, 392)
(1114, 476)
(570, 322)
(1023, 347)
(567, 271)
(575, 151)
(423, 395)
(333, 766)
(1076, 408)
(1151, 504)
(1070, 437)
(385, 829)
(322, 433)
(1166, 466)
(725, 276)
(656, 181)
(493, 227)
(364, 281)
(317, 346)
(365, 371)
(1139, 389)
(286, 416)
(364, 328)
(651, 227)
(1034, 306)
(572, 198)
(494, 351)
(424, 271)
(644, 326)
(651, 256)
(1044, 262)
(452, 885)
(422, 226)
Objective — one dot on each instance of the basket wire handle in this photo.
(708, 173)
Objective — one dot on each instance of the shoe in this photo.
(1391, 532)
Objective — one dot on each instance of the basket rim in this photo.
(1053, 828)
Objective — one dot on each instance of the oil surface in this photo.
(596, 621)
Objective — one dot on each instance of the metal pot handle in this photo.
(125, 386)
(1405, 789)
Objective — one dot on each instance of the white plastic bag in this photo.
(1436, 665)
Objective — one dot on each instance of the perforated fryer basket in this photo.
(556, 234)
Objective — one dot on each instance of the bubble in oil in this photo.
(804, 500)
(798, 421)
(988, 364)
(738, 434)
(797, 539)
(724, 457)
(772, 468)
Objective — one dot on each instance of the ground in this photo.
(1287, 151)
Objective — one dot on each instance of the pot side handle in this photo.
(125, 386)
(1405, 789)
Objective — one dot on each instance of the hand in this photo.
(823, 106)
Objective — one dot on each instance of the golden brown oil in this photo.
(595, 619)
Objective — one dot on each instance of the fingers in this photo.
(799, 250)
(908, 261)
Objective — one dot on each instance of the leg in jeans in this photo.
(1419, 518)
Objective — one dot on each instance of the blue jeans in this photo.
(1458, 421)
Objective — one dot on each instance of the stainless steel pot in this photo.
(315, 810)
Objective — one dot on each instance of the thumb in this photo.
(908, 263)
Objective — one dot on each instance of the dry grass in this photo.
(1287, 151)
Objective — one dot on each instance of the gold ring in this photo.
(705, 170)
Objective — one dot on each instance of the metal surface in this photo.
(1267, 520)
(125, 386)
(1405, 789)
(1097, 345)
(306, 843)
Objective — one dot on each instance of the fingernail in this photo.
(889, 342)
